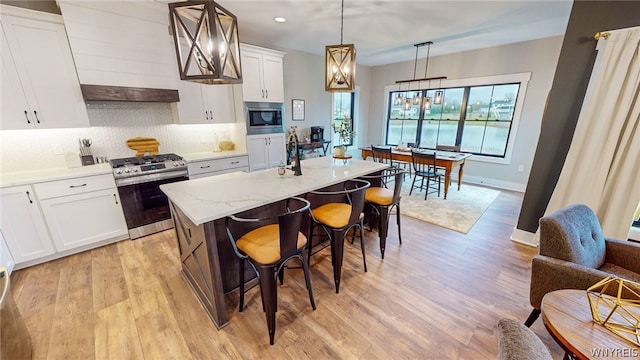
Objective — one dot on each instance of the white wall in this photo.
(538, 57)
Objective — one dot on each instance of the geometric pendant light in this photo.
(206, 39)
(340, 64)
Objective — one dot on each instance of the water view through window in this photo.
(478, 118)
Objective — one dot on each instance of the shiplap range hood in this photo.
(122, 50)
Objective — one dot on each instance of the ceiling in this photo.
(384, 31)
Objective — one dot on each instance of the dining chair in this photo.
(338, 209)
(384, 154)
(424, 166)
(451, 148)
(381, 199)
(268, 243)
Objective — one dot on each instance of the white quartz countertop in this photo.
(207, 199)
(43, 175)
(210, 155)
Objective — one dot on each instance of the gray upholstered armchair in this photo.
(574, 254)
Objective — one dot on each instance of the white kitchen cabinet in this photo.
(40, 87)
(23, 225)
(211, 167)
(205, 104)
(82, 211)
(262, 74)
(265, 151)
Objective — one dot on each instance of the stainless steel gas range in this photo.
(146, 208)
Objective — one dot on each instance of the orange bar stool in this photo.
(268, 243)
(381, 199)
(338, 211)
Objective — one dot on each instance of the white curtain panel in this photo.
(602, 168)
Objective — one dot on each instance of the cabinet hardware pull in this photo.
(36, 114)
(235, 162)
(206, 115)
(27, 116)
(262, 93)
(115, 198)
(267, 92)
(205, 167)
(29, 197)
(269, 141)
(77, 186)
(211, 115)
(189, 230)
(265, 142)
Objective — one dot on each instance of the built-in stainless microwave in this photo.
(264, 118)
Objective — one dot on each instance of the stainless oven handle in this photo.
(151, 177)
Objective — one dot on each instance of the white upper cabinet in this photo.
(205, 104)
(121, 43)
(262, 74)
(40, 87)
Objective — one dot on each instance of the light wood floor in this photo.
(438, 296)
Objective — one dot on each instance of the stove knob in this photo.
(135, 169)
(182, 163)
(118, 171)
(126, 170)
(175, 164)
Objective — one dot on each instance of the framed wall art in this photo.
(298, 109)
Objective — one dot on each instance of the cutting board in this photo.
(143, 145)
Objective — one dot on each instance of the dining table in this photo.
(447, 160)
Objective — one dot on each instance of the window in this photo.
(475, 114)
(343, 104)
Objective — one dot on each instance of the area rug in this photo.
(459, 212)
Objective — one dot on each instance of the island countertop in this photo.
(207, 199)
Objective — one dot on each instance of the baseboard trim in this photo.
(524, 237)
(506, 185)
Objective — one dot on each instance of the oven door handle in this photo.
(151, 177)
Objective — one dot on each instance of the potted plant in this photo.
(345, 135)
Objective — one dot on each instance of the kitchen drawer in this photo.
(214, 165)
(74, 186)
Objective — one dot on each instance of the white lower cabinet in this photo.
(265, 151)
(22, 224)
(48, 220)
(84, 219)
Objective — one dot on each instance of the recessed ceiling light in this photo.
(280, 19)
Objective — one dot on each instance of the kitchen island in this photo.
(200, 206)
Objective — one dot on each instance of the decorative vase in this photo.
(340, 150)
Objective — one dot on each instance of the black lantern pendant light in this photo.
(427, 99)
(206, 39)
(437, 99)
(398, 100)
(418, 98)
(340, 64)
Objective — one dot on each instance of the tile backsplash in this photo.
(112, 123)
